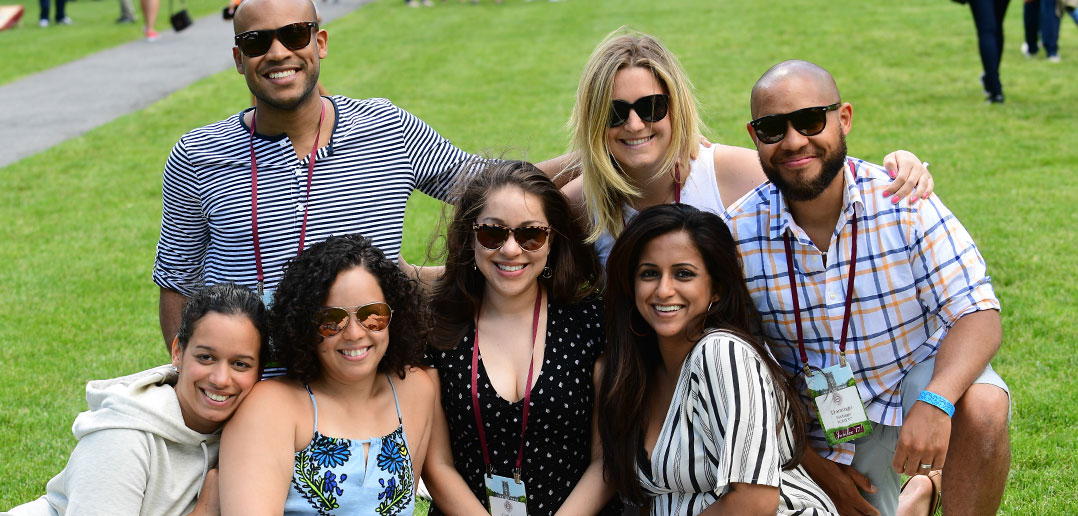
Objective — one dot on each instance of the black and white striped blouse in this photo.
(378, 154)
(722, 428)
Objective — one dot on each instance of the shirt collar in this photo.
(783, 221)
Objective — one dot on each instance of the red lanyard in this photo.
(677, 184)
(849, 297)
(527, 391)
(254, 194)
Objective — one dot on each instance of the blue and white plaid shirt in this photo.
(918, 271)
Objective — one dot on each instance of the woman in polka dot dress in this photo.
(517, 337)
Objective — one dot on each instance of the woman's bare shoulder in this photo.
(737, 172)
(416, 383)
(284, 402)
(274, 394)
(731, 160)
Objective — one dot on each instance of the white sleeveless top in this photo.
(700, 191)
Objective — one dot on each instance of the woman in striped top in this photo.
(694, 415)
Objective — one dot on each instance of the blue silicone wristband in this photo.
(937, 401)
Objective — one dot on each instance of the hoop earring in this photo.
(547, 273)
(635, 314)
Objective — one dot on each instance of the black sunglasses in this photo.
(293, 36)
(651, 108)
(809, 122)
(494, 236)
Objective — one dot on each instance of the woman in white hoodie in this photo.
(148, 444)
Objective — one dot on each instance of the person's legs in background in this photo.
(61, 15)
(43, 20)
(1049, 29)
(988, 18)
(999, 9)
(1031, 18)
(127, 12)
(149, 12)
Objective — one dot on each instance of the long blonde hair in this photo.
(606, 188)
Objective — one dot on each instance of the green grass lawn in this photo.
(78, 223)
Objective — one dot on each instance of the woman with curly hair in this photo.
(517, 335)
(694, 415)
(635, 141)
(346, 430)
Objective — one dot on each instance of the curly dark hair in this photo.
(630, 359)
(575, 273)
(303, 291)
(225, 299)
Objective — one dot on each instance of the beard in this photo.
(286, 104)
(807, 189)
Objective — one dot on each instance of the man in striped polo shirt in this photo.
(917, 331)
(244, 195)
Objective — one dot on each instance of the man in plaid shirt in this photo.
(923, 318)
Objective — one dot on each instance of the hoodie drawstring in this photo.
(205, 465)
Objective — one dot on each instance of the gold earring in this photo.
(632, 316)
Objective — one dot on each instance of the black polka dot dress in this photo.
(557, 447)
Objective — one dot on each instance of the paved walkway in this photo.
(47, 108)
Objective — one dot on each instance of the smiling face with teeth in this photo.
(672, 287)
(802, 167)
(511, 271)
(638, 146)
(218, 368)
(281, 78)
(354, 353)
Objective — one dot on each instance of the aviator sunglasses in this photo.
(809, 122)
(293, 36)
(494, 236)
(651, 108)
(373, 317)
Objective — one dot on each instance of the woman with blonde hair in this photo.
(636, 136)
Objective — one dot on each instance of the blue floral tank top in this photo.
(330, 477)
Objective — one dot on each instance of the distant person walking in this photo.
(988, 17)
(1040, 17)
(61, 17)
(127, 12)
(149, 11)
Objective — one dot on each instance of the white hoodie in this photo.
(135, 455)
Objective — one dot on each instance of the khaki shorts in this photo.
(876, 451)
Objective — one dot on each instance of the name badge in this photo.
(838, 404)
(506, 496)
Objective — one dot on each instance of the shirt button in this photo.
(832, 296)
